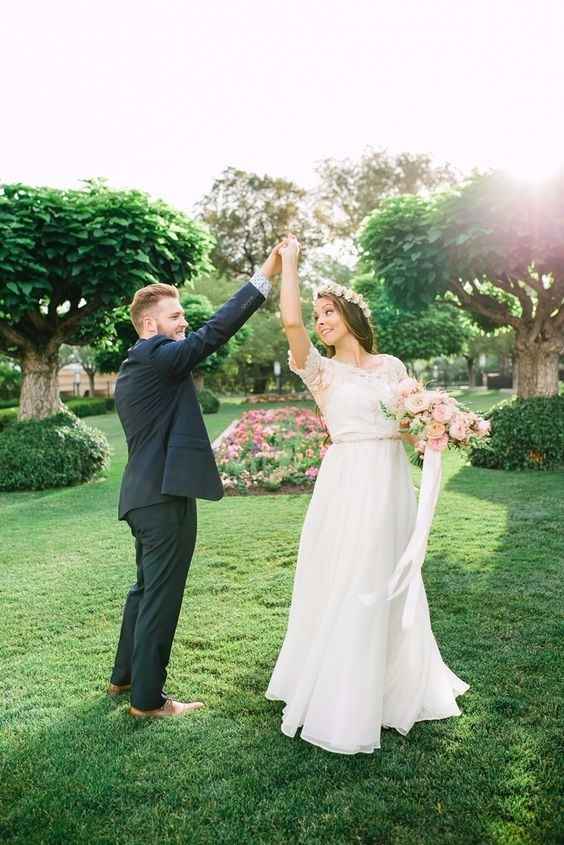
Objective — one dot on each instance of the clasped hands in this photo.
(287, 250)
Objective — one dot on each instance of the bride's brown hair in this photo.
(355, 321)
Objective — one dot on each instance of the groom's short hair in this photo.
(146, 298)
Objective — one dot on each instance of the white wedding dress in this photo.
(346, 669)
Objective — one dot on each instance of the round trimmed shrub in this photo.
(7, 416)
(209, 402)
(86, 407)
(54, 452)
(525, 434)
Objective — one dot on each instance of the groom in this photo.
(170, 465)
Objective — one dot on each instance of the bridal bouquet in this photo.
(434, 418)
(437, 421)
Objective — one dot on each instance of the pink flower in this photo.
(435, 429)
(417, 402)
(312, 472)
(438, 444)
(442, 412)
(407, 386)
(457, 428)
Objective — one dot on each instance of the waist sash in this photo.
(360, 438)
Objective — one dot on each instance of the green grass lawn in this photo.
(479, 400)
(76, 768)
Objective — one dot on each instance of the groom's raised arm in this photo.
(180, 357)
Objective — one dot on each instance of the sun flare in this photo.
(536, 164)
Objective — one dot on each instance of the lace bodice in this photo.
(349, 397)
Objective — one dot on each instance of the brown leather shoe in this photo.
(169, 708)
(117, 689)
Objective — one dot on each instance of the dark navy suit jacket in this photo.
(169, 452)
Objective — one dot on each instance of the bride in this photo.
(346, 669)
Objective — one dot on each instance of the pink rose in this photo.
(442, 412)
(435, 429)
(416, 402)
(438, 444)
(407, 386)
(457, 428)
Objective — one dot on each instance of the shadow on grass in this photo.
(92, 774)
(77, 768)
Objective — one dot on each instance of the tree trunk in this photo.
(39, 397)
(259, 383)
(91, 376)
(471, 371)
(537, 369)
(198, 379)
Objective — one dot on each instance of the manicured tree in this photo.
(68, 258)
(429, 333)
(493, 247)
(116, 337)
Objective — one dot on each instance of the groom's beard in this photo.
(179, 334)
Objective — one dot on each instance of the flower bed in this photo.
(258, 398)
(278, 449)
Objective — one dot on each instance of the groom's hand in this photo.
(273, 264)
(290, 249)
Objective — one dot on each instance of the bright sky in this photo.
(164, 95)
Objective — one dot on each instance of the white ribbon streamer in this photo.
(412, 559)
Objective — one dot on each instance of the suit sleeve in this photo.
(177, 358)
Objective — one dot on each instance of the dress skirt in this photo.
(345, 669)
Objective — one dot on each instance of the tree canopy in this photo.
(248, 214)
(493, 247)
(409, 335)
(69, 255)
(350, 190)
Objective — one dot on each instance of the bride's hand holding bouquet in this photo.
(433, 419)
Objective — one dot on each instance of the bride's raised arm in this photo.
(290, 304)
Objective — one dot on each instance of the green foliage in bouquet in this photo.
(209, 402)
(54, 452)
(525, 434)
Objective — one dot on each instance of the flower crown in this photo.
(347, 293)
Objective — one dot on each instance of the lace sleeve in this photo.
(395, 369)
(315, 374)
(399, 369)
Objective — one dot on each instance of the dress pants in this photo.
(165, 536)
